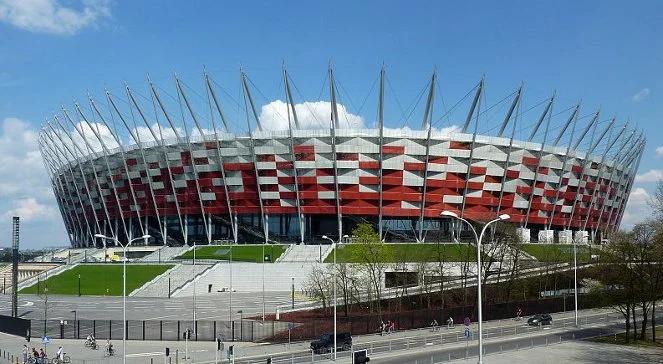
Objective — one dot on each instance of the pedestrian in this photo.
(392, 327)
(450, 322)
(24, 353)
(382, 328)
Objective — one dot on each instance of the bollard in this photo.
(450, 356)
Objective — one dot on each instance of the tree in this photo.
(319, 286)
(656, 202)
(372, 257)
(503, 247)
(630, 272)
(348, 284)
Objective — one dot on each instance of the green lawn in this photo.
(393, 253)
(99, 280)
(558, 253)
(240, 253)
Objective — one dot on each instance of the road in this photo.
(141, 308)
(400, 347)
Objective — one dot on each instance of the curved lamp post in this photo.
(478, 240)
(124, 286)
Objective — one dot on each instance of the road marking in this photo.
(28, 304)
(145, 354)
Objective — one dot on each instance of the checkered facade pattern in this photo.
(396, 174)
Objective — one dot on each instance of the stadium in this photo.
(171, 166)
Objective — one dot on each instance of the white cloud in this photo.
(435, 132)
(161, 132)
(659, 151)
(641, 95)
(50, 16)
(25, 188)
(30, 209)
(310, 114)
(91, 136)
(652, 175)
(637, 208)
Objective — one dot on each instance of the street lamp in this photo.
(124, 286)
(76, 325)
(478, 240)
(334, 251)
(241, 324)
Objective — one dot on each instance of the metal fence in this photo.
(238, 330)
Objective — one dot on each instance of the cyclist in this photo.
(60, 355)
(43, 358)
(434, 324)
(109, 348)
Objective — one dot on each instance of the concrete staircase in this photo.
(248, 277)
(305, 253)
(179, 275)
(165, 253)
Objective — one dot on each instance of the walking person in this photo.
(24, 354)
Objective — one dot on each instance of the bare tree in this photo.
(319, 286)
(348, 283)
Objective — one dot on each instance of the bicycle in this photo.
(65, 359)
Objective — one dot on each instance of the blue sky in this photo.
(609, 54)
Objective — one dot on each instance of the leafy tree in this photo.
(630, 271)
(372, 256)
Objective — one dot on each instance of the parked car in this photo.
(540, 319)
(325, 343)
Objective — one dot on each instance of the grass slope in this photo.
(350, 253)
(98, 279)
(620, 339)
(558, 253)
(240, 253)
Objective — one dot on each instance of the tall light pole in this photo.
(124, 286)
(575, 279)
(478, 239)
(263, 265)
(334, 251)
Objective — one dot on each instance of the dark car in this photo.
(540, 319)
(325, 343)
